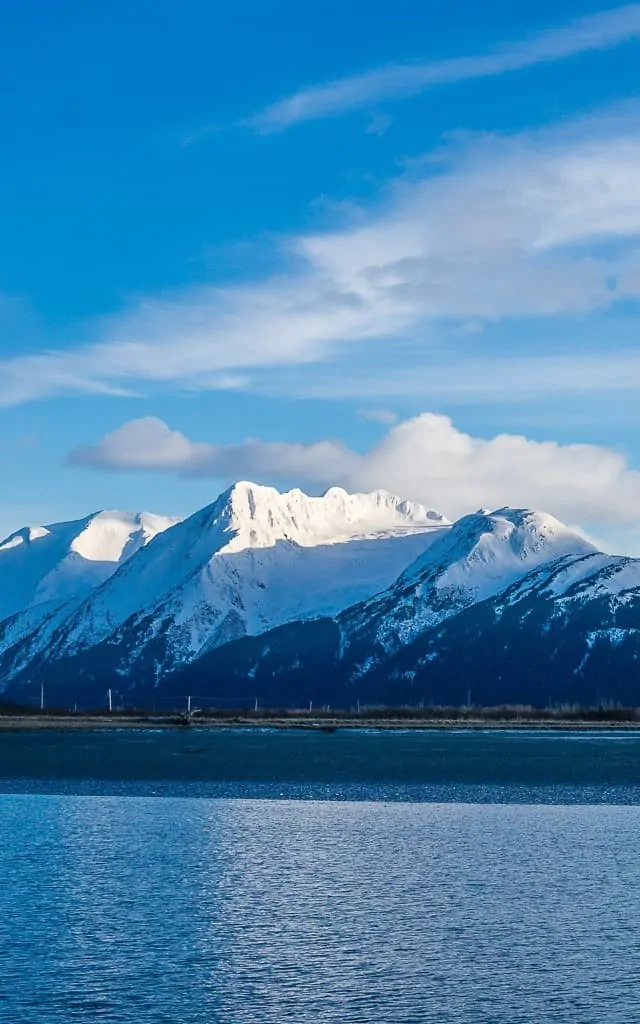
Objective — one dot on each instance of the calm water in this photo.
(141, 910)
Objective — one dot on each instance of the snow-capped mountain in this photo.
(44, 564)
(47, 571)
(481, 555)
(503, 604)
(569, 631)
(344, 598)
(250, 561)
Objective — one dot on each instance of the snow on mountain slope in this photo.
(509, 605)
(481, 555)
(63, 561)
(485, 552)
(40, 619)
(567, 632)
(579, 579)
(251, 560)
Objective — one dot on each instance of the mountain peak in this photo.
(492, 546)
(26, 535)
(112, 535)
(253, 558)
(41, 564)
(477, 557)
(259, 516)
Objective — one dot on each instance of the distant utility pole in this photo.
(189, 705)
(110, 701)
(310, 706)
(358, 705)
(42, 696)
(255, 704)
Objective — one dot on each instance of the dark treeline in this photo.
(514, 713)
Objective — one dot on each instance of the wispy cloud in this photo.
(543, 225)
(385, 416)
(396, 81)
(466, 379)
(425, 458)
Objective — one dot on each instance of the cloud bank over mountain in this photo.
(425, 458)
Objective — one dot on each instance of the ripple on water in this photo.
(134, 910)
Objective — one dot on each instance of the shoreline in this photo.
(307, 723)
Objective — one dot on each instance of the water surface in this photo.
(354, 764)
(132, 909)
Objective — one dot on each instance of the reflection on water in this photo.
(196, 910)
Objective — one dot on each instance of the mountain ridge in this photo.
(566, 632)
(250, 560)
(39, 564)
(341, 598)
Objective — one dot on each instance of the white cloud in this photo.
(149, 444)
(396, 81)
(428, 456)
(425, 458)
(543, 225)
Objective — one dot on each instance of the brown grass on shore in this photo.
(383, 718)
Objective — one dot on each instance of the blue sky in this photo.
(321, 245)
